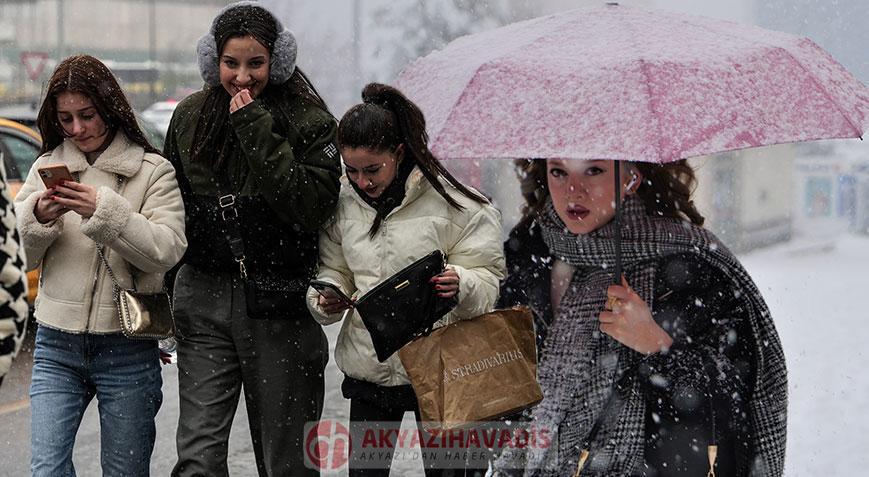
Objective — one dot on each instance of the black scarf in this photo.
(580, 365)
(391, 197)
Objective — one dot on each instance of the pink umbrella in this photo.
(615, 82)
(626, 83)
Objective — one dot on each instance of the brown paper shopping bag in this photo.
(475, 370)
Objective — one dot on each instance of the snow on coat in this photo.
(355, 262)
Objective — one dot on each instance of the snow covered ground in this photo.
(819, 299)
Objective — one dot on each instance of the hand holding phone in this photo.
(332, 299)
(47, 208)
(54, 175)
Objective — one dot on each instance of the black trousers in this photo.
(278, 363)
(370, 404)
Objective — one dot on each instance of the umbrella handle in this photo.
(617, 184)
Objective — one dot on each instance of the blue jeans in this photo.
(68, 371)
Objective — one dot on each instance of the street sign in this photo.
(34, 63)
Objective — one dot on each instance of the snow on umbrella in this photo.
(626, 83)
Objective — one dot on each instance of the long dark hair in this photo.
(665, 191)
(386, 119)
(213, 137)
(87, 75)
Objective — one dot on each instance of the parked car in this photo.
(24, 113)
(159, 114)
(19, 148)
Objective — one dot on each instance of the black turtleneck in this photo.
(392, 195)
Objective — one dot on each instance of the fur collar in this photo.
(122, 157)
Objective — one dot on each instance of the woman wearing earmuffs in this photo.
(258, 133)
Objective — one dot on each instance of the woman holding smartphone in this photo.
(124, 200)
(397, 204)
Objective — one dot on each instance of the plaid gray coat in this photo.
(579, 365)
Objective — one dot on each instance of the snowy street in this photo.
(818, 298)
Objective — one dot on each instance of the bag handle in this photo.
(229, 214)
(115, 283)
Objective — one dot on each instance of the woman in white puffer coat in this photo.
(397, 204)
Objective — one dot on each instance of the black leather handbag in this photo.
(404, 306)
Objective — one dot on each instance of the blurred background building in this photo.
(147, 43)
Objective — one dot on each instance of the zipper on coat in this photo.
(393, 371)
(94, 290)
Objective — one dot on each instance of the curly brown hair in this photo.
(665, 190)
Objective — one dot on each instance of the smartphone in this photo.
(329, 290)
(53, 174)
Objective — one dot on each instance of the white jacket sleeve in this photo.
(35, 237)
(333, 269)
(478, 257)
(153, 239)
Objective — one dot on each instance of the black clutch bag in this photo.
(405, 306)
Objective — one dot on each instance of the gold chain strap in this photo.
(119, 183)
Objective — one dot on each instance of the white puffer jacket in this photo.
(350, 259)
(139, 220)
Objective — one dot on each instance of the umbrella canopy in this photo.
(626, 83)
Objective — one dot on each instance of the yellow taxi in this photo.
(19, 148)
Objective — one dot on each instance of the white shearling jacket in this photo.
(139, 219)
(423, 222)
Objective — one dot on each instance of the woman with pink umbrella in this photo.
(687, 336)
(658, 375)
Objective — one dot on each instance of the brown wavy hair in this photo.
(385, 119)
(665, 190)
(87, 75)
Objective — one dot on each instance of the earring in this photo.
(633, 182)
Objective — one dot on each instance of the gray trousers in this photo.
(278, 363)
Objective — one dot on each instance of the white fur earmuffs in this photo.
(283, 55)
